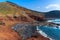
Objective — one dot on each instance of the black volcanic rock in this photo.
(53, 14)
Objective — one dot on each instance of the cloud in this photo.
(53, 6)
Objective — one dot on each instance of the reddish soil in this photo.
(6, 33)
(40, 37)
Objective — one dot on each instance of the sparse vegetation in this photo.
(15, 14)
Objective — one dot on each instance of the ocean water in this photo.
(55, 21)
(51, 32)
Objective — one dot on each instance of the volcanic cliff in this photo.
(12, 14)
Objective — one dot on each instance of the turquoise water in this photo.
(53, 33)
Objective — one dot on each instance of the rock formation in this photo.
(13, 22)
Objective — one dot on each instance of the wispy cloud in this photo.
(53, 6)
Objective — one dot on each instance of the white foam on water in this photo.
(59, 27)
(43, 34)
(55, 21)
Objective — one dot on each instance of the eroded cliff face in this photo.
(28, 32)
(25, 30)
(10, 15)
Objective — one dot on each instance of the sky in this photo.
(38, 5)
